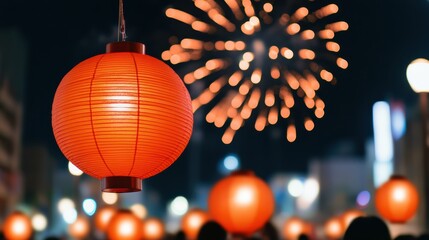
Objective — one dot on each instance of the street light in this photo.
(418, 75)
(418, 78)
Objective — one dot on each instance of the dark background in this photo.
(384, 36)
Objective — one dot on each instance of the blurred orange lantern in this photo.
(125, 225)
(193, 221)
(17, 226)
(80, 228)
(122, 116)
(102, 217)
(350, 215)
(397, 200)
(334, 228)
(294, 226)
(153, 229)
(242, 203)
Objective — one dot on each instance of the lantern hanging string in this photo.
(121, 22)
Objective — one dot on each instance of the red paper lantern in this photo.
(80, 228)
(242, 203)
(334, 228)
(102, 217)
(125, 225)
(153, 229)
(350, 215)
(193, 221)
(294, 226)
(122, 116)
(397, 200)
(17, 226)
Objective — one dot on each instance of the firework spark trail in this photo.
(256, 60)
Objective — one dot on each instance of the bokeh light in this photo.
(109, 198)
(75, 171)
(65, 204)
(231, 163)
(295, 187)
(80, 228)
(363, 198)
(139, 210)
(153, 229)
(39, 222)
(179, 206)
(17, 226)
(89, 206)
(69, 215)
(103, 216)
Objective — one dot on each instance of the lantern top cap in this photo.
(134, 47)
(397, 177)
(243, 173)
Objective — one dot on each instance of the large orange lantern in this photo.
(122, 116)
(102, 217)
(125, 225)
(17, 226)
(242, 203)
(80, 228)
(349, 215)
(294, 226)
(334, 228)
(153, 229)
(397, 200)
(193, 221)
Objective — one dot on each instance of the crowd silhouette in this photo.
(361, 228)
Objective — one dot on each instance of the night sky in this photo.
(384, 36)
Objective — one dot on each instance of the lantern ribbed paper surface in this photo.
(242, 203)
(122, 116)
(397, 200)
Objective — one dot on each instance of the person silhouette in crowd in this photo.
(367, 228)
(303, 237)
(180, 236)
(269, 232)
(53, 238)
(405, 237)
(212, 230)
(423, 237)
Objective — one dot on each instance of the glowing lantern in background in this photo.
(124, 225)
(350, 215)
(102, 217)
(17, 226)
(293, 227)
(242, 203)
(193, 221)
(334, 228)
(80, 228)
(153, 229)
(397, 199)
(122, 116)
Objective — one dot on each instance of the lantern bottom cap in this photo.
(121, 184)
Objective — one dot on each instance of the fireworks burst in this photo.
(257, 60)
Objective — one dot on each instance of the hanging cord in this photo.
(121, 22)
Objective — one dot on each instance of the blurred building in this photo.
(342, 178)
(37, 168)
(398, 149)
(408, 161)
(12, 75)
